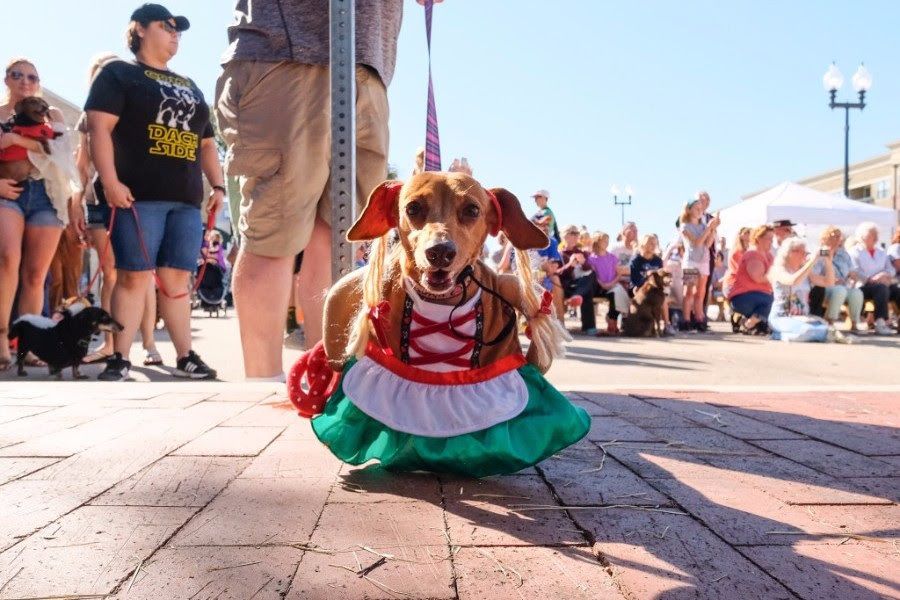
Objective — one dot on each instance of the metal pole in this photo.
(846, 151)
(343, 133)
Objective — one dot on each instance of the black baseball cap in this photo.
(783, 223)
(147, 13)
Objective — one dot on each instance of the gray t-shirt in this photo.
(297, 30)
(694, 254)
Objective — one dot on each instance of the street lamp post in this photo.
(625, 201)
(862, 81)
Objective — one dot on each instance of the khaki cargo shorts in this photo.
(276, 121)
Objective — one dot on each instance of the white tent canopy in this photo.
(809, 208)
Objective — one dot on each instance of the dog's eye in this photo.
(472, 211)
(413, 209)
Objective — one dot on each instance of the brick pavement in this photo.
(217, 491)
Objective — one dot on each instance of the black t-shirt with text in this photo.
(162, 119)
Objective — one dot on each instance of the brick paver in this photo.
(220, 492)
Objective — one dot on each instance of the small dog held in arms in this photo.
(647, 307)
(420, 367)
(61, 342)
(30, 120)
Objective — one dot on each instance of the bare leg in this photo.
(12, 228)
(699, 306)
(37, 252)
(687, 302)
(99, 240)
(176, 312)
(128, 306)
(262, 285)
(148, 321)
(314, 281)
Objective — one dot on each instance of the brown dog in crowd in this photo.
(442, 221)
(647, 307)
(30, 120)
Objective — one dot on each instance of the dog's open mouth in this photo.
(437, 283)
(437, 280)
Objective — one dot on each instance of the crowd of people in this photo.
(145, 143)
(769, 279)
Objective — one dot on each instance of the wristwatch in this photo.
(221, 188)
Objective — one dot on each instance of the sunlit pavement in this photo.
(717, 467)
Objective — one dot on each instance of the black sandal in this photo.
(748, 330)
(736, 319)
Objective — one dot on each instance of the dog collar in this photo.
(421, 292)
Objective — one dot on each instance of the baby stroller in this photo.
(213, 286)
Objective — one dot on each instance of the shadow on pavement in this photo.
(700, 497)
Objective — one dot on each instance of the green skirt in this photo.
(547, 424)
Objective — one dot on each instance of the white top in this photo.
(894, 251)
(869, 265)
(440, 342)
(435, 410)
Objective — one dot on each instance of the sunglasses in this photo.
(169, 27)
(17, 75)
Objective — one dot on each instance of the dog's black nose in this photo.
(440, 255)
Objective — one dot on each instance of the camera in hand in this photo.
(824, 252)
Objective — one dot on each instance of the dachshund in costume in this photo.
(420, 367)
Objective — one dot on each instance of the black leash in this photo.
(469, 273)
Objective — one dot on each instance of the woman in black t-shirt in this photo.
(151, 141)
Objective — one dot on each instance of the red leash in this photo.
(210, 224)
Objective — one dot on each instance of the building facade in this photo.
(874, 180)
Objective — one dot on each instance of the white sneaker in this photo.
(881, 328)
(839, 337)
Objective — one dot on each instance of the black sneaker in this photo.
(193, 367)
(116, 369)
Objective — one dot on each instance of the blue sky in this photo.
(669, 97)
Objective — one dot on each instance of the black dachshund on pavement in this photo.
(60, 343)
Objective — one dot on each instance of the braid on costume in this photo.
(547, 334)
(372, 287)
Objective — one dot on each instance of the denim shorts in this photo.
(97, 216)
(172, 234)
(34, 205)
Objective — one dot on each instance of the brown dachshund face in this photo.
(33, 108)
(443, 224)
(442, 220)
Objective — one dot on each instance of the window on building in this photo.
(883, 189)
(863, 194)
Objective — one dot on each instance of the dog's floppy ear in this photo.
(523, 234)
(380, 214)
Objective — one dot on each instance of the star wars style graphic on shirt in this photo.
(171, 133)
